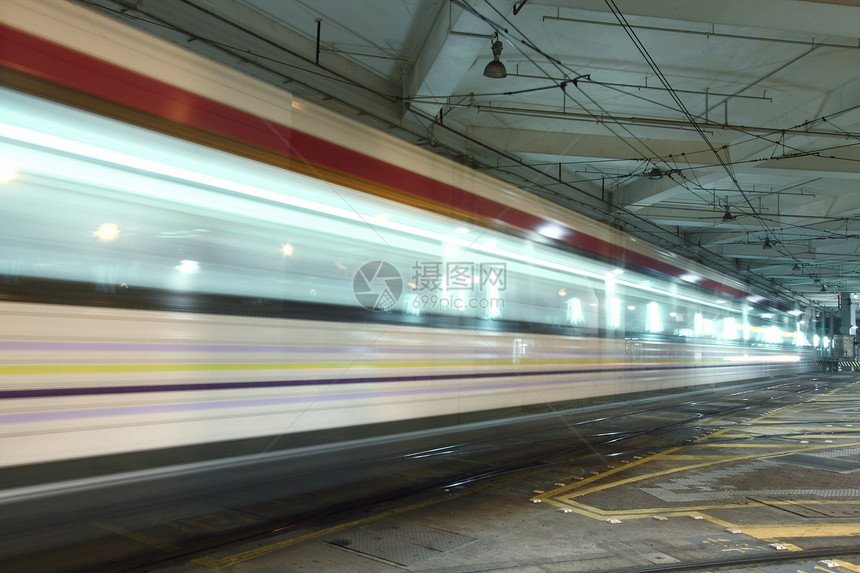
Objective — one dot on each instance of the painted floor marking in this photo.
(581, 488)
(775, 420)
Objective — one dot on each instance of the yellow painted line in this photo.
(773, 532)
(715, 460)
(591, 479)
(736, 446)
(713, 456)
(644, 513)
(815, 502)
(31, 369)
(846, 565)
(676, 511)
(211, 366)
(565, 496)
(789, 411)
(579, 489)
(786, 436)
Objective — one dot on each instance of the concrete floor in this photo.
(765, 483)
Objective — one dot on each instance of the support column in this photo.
(847, 312)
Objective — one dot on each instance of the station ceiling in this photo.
(727, 131)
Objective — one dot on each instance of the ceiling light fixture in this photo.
(655, 174)
(496, 69)
(727, 216)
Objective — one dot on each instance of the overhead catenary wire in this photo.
(633, 221)
(716, 260)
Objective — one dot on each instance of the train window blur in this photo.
(96, 201)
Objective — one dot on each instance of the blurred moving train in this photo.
(191, 256)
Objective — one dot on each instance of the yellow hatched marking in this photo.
(772, 532)
(646, 513)
(577, 489)
(565, 497)
(847, 565)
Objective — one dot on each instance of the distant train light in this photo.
(287, 250)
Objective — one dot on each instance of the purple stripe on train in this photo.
(186, 387)
(33, 417)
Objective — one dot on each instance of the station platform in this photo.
(772, 490)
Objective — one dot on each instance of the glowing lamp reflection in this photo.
(188, 267)
(8, 171)
(763, 358)
(106, 232)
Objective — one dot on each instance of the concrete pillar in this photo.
(847, 312)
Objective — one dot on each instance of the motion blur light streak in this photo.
(188, 267)
(8, 171)
(770, 358)
(259, 347)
